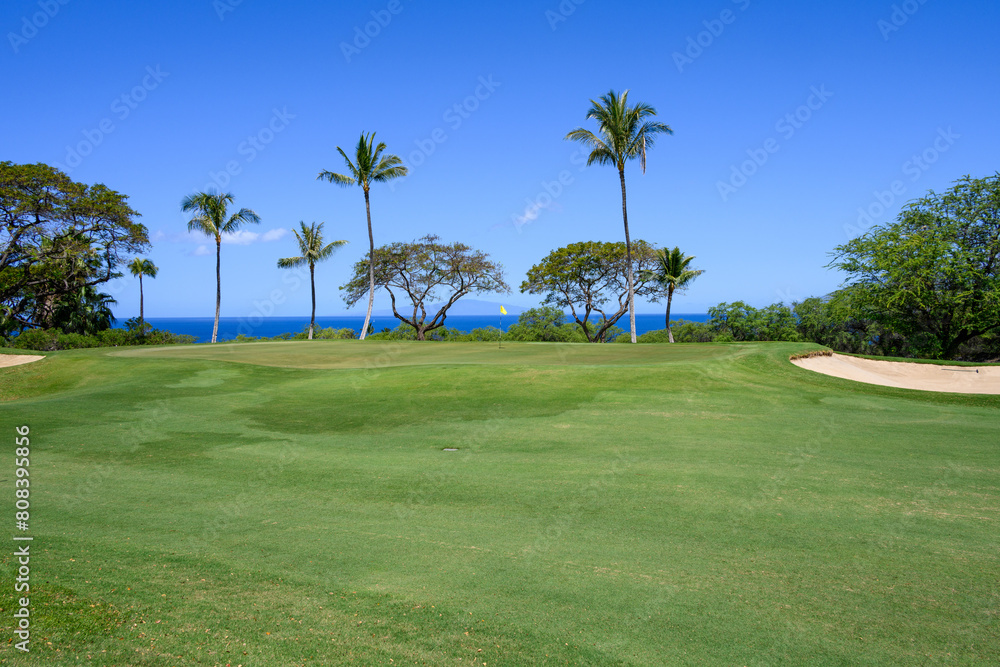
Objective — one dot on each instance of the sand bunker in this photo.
(925, 377)
(17, 359)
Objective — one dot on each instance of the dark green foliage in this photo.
(740, 322)
(544, 324)
(426, 272)
(591, 279)
(85, 311)
(836, 322)
(57, 237)
(933, 276)
(47, 340)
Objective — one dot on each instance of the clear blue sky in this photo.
(183, 86)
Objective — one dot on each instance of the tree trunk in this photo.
(371, 268)
(142, 329)
(312, 282)
(628, 255)
(670, 297)
(218, 286)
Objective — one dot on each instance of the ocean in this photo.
(230, 327)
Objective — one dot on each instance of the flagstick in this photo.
(501, 332)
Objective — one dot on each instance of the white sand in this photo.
(925, 377)
(17, 359)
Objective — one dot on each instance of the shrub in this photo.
(47, 340)
(43, 340)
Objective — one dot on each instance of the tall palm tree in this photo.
(623, 134)
(142, 267)
(369, 166)
(312, 249)
(672, 273)
(211, 219)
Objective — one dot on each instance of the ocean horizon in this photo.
(231, 327)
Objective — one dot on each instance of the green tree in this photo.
(739, 321)
(312, 249)
(545, 324)
(57, 236)
(212, 219)
(624, 133)
(933, 274)
(431, 274)
(84, 312)
(142, 267)
(369, 166)
(592, 277)
(672, 273)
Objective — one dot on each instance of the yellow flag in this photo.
(503, 311)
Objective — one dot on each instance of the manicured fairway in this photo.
(292, 504)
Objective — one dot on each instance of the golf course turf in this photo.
(692, 504)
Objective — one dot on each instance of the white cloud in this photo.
(274, 234)
(201, 251)
(241, 237)
(246, 237)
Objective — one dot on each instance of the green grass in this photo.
(291, 504)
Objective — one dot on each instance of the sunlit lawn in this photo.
(293, 503)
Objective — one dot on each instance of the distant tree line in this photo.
(926, 285)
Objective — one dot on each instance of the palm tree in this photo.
(85, 311)
(312, 249)
(369, 166)
(142, 267)
(672, 274)
(211, 209)
(624, 134)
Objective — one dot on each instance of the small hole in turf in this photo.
(451, 449)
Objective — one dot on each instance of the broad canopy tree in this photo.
(933, 273)
(427, 273)
(592, 277)
(58, 238)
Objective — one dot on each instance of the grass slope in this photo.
(291, 503)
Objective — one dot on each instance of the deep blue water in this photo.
(230, 327)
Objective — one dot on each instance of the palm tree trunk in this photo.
(142, 329)
(218, 286)
(670, 297)
(312, 281)
(628, 255)
(371, 268)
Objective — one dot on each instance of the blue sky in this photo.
(790, 119)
